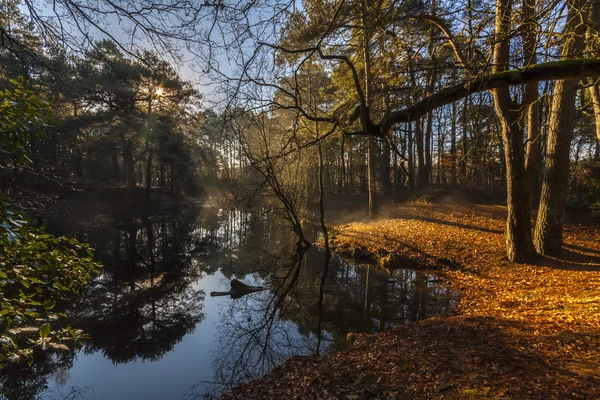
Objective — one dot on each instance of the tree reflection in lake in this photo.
(150, 296)
(259, 332)
(144, 302)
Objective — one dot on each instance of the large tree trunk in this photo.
(551, 214)
(519, 246)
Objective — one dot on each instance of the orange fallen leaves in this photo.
(519, 331)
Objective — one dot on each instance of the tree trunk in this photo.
(371, 183)
(453, 146)
(595, 95)
(519, 246)
(428, 143)
(411, 157)
(431, 79)
(463, 161)
(531, 100)
(129, 165)
(422, 179)
(343, 182)
(593, 44)
(386, 182)
(149, 174)
(551, 214)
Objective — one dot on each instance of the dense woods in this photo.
(289, 106)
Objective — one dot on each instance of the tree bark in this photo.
(595, 95)
(386, 182)
(531, 101)
(428, 143)
(453, 146)
(551, 213)
(411, 159)
(593, 44)
(371, 180)
(422, 179)
(463, 140)
(519, 246)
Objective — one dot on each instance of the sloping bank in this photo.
(519, 331)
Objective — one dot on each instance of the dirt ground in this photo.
(518, 332)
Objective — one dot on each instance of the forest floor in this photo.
(518, 332)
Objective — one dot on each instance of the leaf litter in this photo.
(518, 332)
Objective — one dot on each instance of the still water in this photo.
(156, 333)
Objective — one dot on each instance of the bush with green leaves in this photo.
(37, 272)
(23, 115)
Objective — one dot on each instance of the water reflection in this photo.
(150, 301)
(259, 332)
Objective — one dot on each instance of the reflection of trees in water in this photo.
(143, 303)
(362, 298)
(242, 242)
(24, 382)
(253, 337)
(259, 331)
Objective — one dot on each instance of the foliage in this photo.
(23, 115)
(38, 271)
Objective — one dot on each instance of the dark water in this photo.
(155, 332)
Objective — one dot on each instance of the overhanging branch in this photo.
(555, 70)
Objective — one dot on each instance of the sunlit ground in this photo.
(520, 331)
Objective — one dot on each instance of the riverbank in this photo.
(518, 332)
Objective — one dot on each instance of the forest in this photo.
(412, 185)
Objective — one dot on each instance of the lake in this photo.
(156, 333)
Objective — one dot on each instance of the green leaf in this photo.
(44, 330)
(49, 304)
